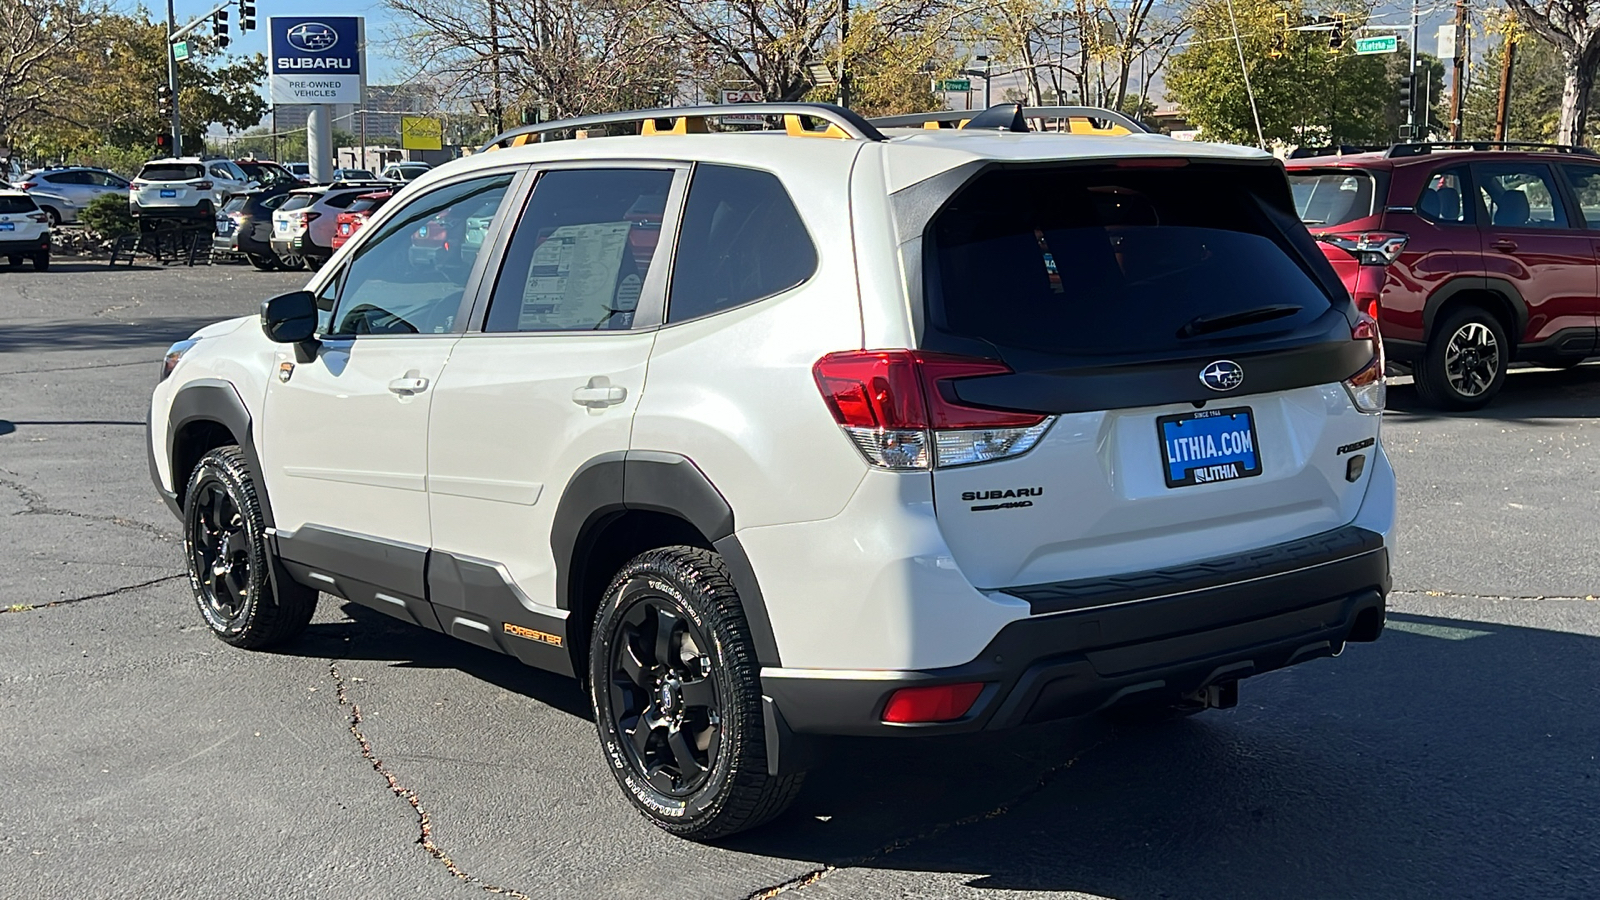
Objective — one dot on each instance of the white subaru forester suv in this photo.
(867, 429)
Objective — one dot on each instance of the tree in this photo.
(34, 35)
(1573, 28)
(1304, 95)
(1536, 85)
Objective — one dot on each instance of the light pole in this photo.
(172, 81)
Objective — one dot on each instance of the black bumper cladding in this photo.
(1157, 634)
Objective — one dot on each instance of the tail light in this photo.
(203, 186)
(1367, 387)
(900, 409)
(41, 218)
(27, 185)
(1370, 248)
(941, 703)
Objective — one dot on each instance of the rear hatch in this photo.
(1183, 341)
(171, 184)
(20, 218)
(287, 220)
(1338, 204)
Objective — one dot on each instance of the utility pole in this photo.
(1460, 62)
(988, 83)
(494, 48)
(1508, 58)
(172, 81)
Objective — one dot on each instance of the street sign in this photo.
(953, 84)
(1447, 42)
(421, 133)
(742, 97)
(180, 51)
(1383, 43)
(315, 59)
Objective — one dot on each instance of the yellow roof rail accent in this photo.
(793, 127)
(680, 125)
(1076, 125)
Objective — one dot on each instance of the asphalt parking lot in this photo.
(1457, 757)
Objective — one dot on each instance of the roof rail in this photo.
(1400, 151)
(1340, 150)
(1015, 117)
(842, 123)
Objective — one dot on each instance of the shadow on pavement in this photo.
(98, 334)
(1450, 759)
(1529, 395)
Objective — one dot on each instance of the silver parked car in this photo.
(63, 191)
(407, 171)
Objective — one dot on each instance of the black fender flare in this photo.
(613, 483)
(214, 400)
(1461, 284)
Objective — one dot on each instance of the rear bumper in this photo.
(25, 246)
(1180, 634)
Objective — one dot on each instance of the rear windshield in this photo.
(17, 205)
(1111, 262)
(1329, 197)
(171, 172)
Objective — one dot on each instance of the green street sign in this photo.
(953, 84)
(180, 51)
(1387, 43)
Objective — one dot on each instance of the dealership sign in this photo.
(315, 59)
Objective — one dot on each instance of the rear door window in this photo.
(1097, 262)
(1520, 195)
(1585, 181)
(1325, 198)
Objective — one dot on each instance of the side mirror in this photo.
(290, 318)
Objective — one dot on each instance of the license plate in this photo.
(168, 192)
(281, 226)
(344, 229)
(8, 226)
(1208, 446)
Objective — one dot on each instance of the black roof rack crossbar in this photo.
(999, 115)
(846, 121)
(1423, 148)
(1340, 150)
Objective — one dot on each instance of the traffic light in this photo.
(219, 27)
(1280, 38)
(164, 143)
(1337, 34)
(247, 15)
(1408, 94)
(164, 100)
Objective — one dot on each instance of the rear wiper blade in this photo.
(1223, 321)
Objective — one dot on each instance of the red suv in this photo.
(1469, 255)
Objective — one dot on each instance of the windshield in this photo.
(171, 172)
(1329, 197)
(355, 174)
(1110, 262)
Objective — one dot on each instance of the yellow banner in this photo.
(421, 133)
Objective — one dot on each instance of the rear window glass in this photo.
(171, 172)
(296, 201)
(742, 240)
(236, 203)
(1107, 262)
(17, 205)
(1333, 197)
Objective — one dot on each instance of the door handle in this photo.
(410, 383)
(1505, 246)
(599, 393)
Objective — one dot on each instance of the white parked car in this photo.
(863, 431)
(304, 226)
(186, 188)
(24, 230)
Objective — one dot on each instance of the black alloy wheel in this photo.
(219, 557)
(1464, 365)
(291, 261)
(224, 538)
(676, 691)
(664, 697)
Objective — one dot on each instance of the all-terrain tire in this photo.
(732, 791)
(1464, 365)
(223, 528)
(41, 262)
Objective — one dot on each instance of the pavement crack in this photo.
(35, 504)
(1041, 782)
(1455, 595)
(29, 607)
(424, 821)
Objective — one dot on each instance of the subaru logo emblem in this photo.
(1222, 375)
(313, 37)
